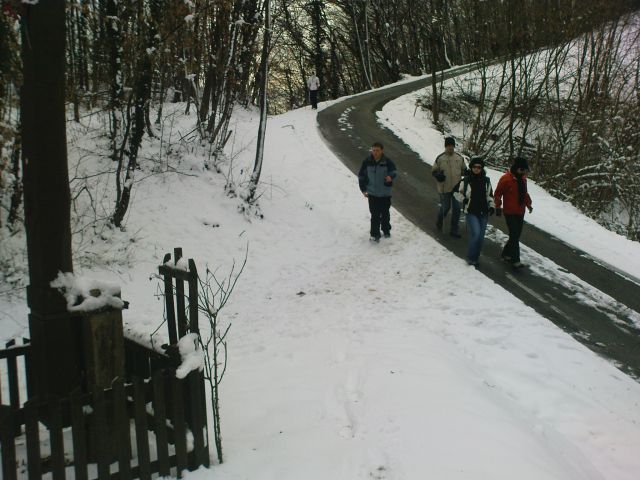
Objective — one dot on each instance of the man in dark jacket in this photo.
(375, 178)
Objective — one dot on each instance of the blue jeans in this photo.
(448, 202)
(476, 226)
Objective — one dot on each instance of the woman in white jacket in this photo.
(476, 196)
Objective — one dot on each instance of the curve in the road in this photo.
(350, 126)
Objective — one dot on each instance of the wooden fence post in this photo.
(142, 429)
(169, 305)
(100, 435)
(180, 305)
(180, 434)
(32, 432)
(57, 442)
(12, 375)
(79, 436)
(8, 444)
(160, 423)
(193, 297)
(198, 419)
(121, 429)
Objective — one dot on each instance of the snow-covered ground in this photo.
(351, 360)
(559, 218)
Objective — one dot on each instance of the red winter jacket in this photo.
(508, 189)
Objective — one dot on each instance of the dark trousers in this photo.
(380, 217)
(313, 98)
(512, 248)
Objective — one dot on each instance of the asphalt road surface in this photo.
(554, 287)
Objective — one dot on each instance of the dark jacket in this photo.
(372, 173)
(475, 194)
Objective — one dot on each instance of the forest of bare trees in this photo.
(127, 59)
(354, 45)
(558, 81)
(572, 109)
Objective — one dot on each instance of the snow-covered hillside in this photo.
(351, 360)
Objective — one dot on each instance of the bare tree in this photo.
(214, 293)
(264, 75)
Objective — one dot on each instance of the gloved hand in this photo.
(498, 212)
(492, 211)
(439, 176)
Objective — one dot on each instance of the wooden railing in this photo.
(9, 371)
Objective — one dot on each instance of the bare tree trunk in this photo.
(367, 42)
(72, 73)
(363, 50)
(16, 196)
(319, 60)
(433, 65)
(473, 137)
(264, 69)
(114, 42)
(512, 105)
(142, 96)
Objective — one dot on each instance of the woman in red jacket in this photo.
(511, 197)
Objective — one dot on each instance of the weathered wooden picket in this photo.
(158, 405)
(176, 277)
(150, 423)
(181, 317)
(9, 363)
(103, 426)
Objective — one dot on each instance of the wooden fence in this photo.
(175, 280)
(106, 427)
(150, 423)
(10, 359)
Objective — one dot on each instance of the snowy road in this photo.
(596, 304)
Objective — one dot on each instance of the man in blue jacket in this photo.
(376, 177)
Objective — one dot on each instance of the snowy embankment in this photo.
(349, 360)
(560, 219)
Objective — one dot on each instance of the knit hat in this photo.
(476, 161)
(520, 162)
(449, 141)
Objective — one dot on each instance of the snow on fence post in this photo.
(97, 307)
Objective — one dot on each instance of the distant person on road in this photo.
(476, 196)
(511, 197)
(448, 170)
(375, 178)
(313, 83)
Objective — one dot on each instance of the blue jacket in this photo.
(372, 173)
